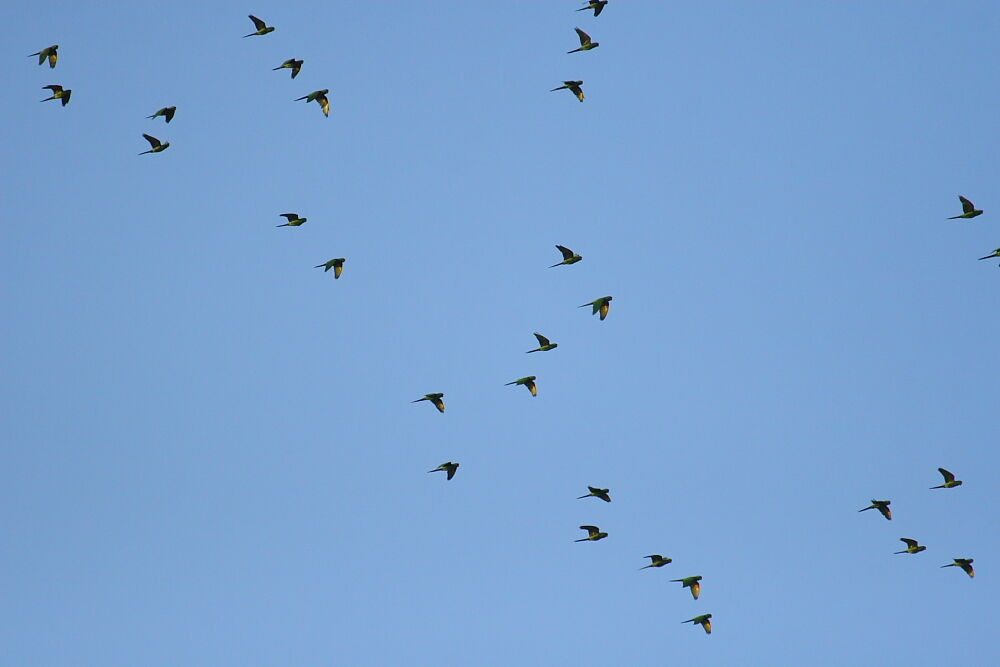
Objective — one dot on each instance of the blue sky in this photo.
(212, 454)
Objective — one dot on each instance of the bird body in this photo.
(603, 494)
(882, 506)
(596, 5)
(996, 253)
(692, 583)
(969, 209)
(704, 621)
(585, 43)
(573, 87)
(293, 220)
(155, 145)
(656, 560)
(602, 305)
(543, 344)
(949, 480)
(320, 97)
(911, 546)
(433, 398)
(965, 564)
(262, 28)
(448, 467)
(569, 257)
(593, 534)
(528, 382)
(166, 112)
(49, 53)
(292, 64)
(336, 264)
(58, 93)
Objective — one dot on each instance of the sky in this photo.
(211, 452)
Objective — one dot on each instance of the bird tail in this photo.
(586, 496)
(956, 217)
(938, 487)
(574, 50)
(299, 99)
(987, 257)
(555, 89)
(530, 351)
(287, 224)
(555, 265)
(900, 552)
(144, 152)
(277, 68)
(153, 116)
(645, 566)
(949, 565)
(582, 539)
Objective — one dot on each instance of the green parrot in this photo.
(656, 560)
(882, 506)
(965, 564)
(949, 480)
(336, 264)
(155, 145)
(585, 43)
(603, 494)
(996, 253)
(596, 5)
(448, 467)
(573, 86)
(692, 583)
(433, 398)
(911, 546)
(528, 382)
(603, 305)
(58, 93)
(569, 257)
(318, 96)
(543, 344)
(704, 621)
(593, 534)
(49, 53)
(969, 209)
(166, 112)
(292, 64)
(262, 28)
(293, 220)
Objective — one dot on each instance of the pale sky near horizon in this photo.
(211, 452)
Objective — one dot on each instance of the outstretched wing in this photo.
(54, 87)
(153, 141)
(967, 206)
(566, 252)
(257, 23)
(542, 340)
(948, 477)
(909, 543)
(584, 37)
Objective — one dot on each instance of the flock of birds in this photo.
(601, 305)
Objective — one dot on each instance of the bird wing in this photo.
(967, 206)
(886, 512)
(542, 340)
(169, 113)
(592, 530)
(325, 104)
(260, 25)
(153, 141)
(566, 252)
(948, 477)
(289, 216)
(584, 37)
(910, 543)
(54, 87)
(599, 8)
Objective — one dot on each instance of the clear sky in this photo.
(211, 456)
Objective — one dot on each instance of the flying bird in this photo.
(569, 257)
(911, 546)
(293, 220)
(262, 28)
(602, 305)
(969, 209)
(543, 344)
(704, 621)
(336, 264)
(882, 506)
(318, 96)
(965, 564)
(528, 382)
(949, 480)
(593, 534)
(573, 86)
(433, 398)
(166, 112)
(585, 43)
(656, 560)
(292, 64)
(58, 93)
(996, 253)
(155, 145)
(596, 5)
(49, 53)
(603, 494)
(692, 583)
(448, 467)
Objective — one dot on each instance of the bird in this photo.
(543, 344)
(603, 305)
(593, 534)
(318, 96)
(882, 506)
(692, 583)
(293, 220)
(965, 564)
(292, 64)
(569, 257)
(155, 145)
(949, 480)
(58, 93)
(528, 382)
(433, 398)
(336, 264)
(704, 621)
(596, 5)
(996, 253)
(585, 43)
(603, 494)
(573, 86)
(969, 209)
(911, 546)
(166, 112)
(49, 53)
(262, 28)
(656, 560)
(448, 467)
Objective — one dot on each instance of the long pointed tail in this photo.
(956, 217)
